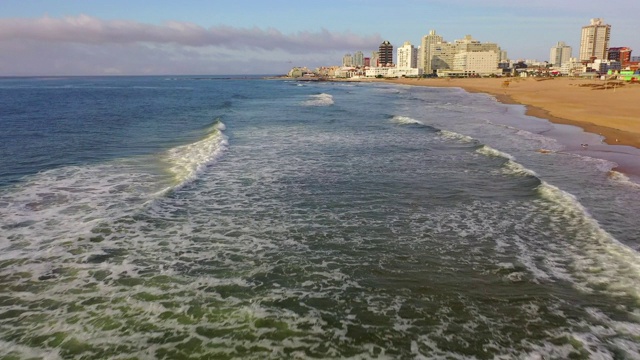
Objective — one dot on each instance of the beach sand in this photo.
(608, 108)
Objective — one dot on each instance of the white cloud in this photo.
(84, 29)
(85, 45)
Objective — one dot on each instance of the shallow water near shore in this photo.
(243, 218)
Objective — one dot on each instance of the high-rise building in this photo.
(375, 59)
(347, 60)
(560, 54)
(470, 44)
(476, 62)
(385, 54)
(595, 40)
(425, 50)
(620, 54)
(358, 59)
(443, 53)
(407, 56)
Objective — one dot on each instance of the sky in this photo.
(243, 37)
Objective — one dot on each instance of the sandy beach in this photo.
(609, 109)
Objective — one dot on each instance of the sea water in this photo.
(159, 217)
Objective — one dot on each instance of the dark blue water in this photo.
(248, 218)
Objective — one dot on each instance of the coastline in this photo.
(611, 113)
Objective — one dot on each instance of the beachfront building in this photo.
(376, 72)
(358, 59)
(602, 66)
(385, 54)
(297, 72)
(470, 44)
(573, 66)
(443, 54)
(559, 54)
(621, 54)
(425, 50)
(473, 64)
(404, 72)
(407, 56)
(392, 72)
(594, 41)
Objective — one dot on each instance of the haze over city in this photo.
(256, 37)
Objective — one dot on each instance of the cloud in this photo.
(86, 45)
(84, 29)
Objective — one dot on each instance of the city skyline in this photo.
(253, 37)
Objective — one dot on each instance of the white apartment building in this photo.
(407, 56)
(393, 72)
(560, 54)
(443, 54)
(571, 67)
(481, 63)
(377, 72)
(594, 41)
(425, 50)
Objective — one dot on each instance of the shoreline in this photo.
(608, 113)
(531, 94)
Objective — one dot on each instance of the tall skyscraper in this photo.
(385, 54)
(425, 50)
(595, 40)
(560, 54)
(407, 56)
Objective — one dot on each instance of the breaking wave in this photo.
(319, 100)
(184, 162)
(405, 120)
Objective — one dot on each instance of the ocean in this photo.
(245, 218)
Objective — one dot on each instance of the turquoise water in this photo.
(246, 218)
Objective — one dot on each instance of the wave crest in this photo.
(491, 152)
(405, 120)
(322, 99)
(455, 136)
(186, 161)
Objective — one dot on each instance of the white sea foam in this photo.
(405, 120)
(623, 179)
(544, 142)
(515, 168)
(319, 100)
(187, 160)
(491, 152)
(598, 259)
(455, 136)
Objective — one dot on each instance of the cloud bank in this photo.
(84, 29)
(85, 45)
